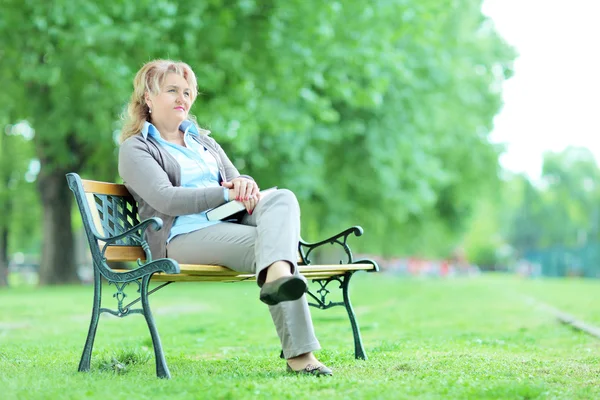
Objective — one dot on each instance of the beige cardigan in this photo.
(153, 177)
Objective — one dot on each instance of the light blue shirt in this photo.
(199, 169)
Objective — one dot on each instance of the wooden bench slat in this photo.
(191, 269)
(130, 253)
(204, 277)
(232, 278)
(113, 189)
(200, 278)
(124, 253)
(335, 267)
(215, 273)
(217, 270)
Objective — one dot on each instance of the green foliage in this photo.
(374, 114)
(367, 118)
(70, 76)
(564, 209)
(484, 244)
(560, 211)
(18, 200)
(451, 339)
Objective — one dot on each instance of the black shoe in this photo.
(283, 289)
(310, 369)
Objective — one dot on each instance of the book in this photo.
(232, 207)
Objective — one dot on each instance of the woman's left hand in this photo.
(243, 188)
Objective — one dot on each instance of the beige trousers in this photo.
(270, 234)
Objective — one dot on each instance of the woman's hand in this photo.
(244, 190)
(241, 189)
(251, 203)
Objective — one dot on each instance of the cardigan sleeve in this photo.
(143, 174)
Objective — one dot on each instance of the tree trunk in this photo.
(58, 256)
(5, 204)
(3, 256)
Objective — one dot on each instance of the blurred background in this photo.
(461, 134)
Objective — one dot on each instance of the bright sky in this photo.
(553, 99)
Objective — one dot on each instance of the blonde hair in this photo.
(150, 78)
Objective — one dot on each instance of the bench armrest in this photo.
(166, 265)
(147, 267)
(305, 248)
(136, 233)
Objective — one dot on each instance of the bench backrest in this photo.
(112, 210)
(109, 210)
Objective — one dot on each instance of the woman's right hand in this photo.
(250, 204)
(243, 190)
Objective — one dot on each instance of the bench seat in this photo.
(215, 273)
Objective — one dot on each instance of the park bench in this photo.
(114, 233)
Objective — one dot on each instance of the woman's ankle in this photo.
(277, 270)
(302, 360)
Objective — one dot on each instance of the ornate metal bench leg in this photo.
(162, 371)
(320, 302)
(86, 356)
(359, 351)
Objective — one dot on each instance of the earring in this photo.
(149, 110)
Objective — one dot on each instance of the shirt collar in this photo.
(186, 127)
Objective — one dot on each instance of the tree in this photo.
(356, 107)
(15, 154)
(558, 211)
(73, 66)
(571, 195)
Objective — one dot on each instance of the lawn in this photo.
(486, 337)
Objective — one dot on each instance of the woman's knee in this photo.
(280, 198)
(286, 196)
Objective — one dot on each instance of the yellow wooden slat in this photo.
(124, 253)
(95, 215)
(216, 270)
(128, 253)
(335, 267)
(190, 269)
(196, 278)
(309, 270)
(215, 273)
(313, 275)
(203, 278)
(98, 187)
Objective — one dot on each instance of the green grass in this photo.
(461, 338)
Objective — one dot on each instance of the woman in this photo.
(175, 171)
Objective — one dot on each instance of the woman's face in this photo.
(170, 107)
